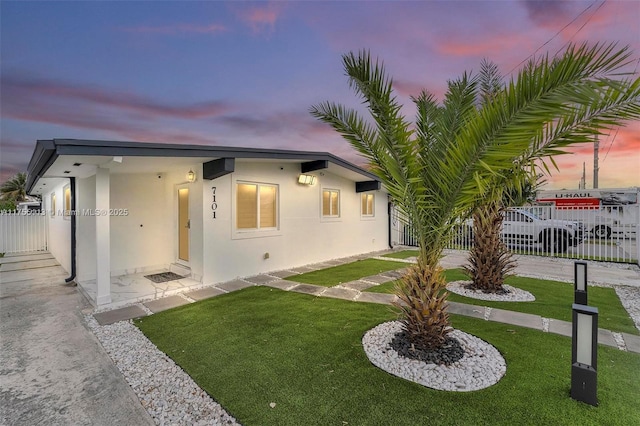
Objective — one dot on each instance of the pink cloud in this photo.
(21, 94)
(178, 29)
(261, 19)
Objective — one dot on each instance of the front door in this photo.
(184, 225)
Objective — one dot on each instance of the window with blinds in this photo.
(256, 206)
(367, 204)
(330, 203)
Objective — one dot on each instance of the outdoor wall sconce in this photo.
(580, 283)
(584, 351)
(191, 176)
(306, 179)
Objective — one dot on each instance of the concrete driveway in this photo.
(52, 369)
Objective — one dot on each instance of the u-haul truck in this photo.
(605, 213)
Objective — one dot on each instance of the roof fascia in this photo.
(43, 157)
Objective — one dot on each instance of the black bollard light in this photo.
(580, 283)
(584, 354)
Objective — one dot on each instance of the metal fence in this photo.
(607, 233)
(23, 231)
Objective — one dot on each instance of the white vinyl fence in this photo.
(23, 231)
(608, 233)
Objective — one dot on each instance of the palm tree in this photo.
(490, 260)
(455, 154)
(15, 188)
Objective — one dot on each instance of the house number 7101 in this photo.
(214, 204)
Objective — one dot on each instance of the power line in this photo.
(555, 35)
(582, 26)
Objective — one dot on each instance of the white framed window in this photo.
(367, 205)
(53, 204)
(256, 206)
(330, 203)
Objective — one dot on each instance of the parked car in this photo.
(521, 227)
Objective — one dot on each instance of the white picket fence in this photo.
(23, 231)
(609, 233)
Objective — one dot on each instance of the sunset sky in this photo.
(246, 73)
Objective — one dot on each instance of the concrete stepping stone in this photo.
(357, 285)
(121, 314)
(466, 310)
(165, 303)
(632, 342)
(605, 337)
(382, 298)
(313, 290)
(283, 274)
(564, 328)
(340, 293)
(395, 274)
(260, 279)
(516, 318)
(281, 284)
(379, 278)
(234, 285)
(204, 293)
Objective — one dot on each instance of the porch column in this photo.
(103, 238)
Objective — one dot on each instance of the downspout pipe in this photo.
(389, 214)
(72, 188)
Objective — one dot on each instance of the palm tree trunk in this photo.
(490, 261)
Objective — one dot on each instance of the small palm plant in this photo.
(452, 158)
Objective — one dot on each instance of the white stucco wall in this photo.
(59, 228)
(303, 236)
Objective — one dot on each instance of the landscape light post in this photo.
(580, 283)
(584, 354)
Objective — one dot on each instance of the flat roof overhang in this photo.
(63, 158)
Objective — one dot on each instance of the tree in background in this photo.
(455, 155)
(14, 189)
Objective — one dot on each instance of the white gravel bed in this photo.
(514, 294)
(168, 394)
(630, 299)
(481, 366)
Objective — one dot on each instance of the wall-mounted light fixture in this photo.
(306, 179)
(584, 354)
(580, 283)
(191, 176)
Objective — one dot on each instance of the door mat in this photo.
(163, 277)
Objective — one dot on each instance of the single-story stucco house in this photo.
(219, 213)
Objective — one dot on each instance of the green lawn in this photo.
(348, 272)
(553, 300)
(260, 345)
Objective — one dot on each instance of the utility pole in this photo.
(583, 180)
(596, 147)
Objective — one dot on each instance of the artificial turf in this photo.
(335, 275)
(553, 300)
(259, 346)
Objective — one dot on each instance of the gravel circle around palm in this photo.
(513, 294)
(481, 366)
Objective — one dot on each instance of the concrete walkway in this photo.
(354, 291)
(53, 370)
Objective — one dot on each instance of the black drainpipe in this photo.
(72, 188)
(389, 209)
